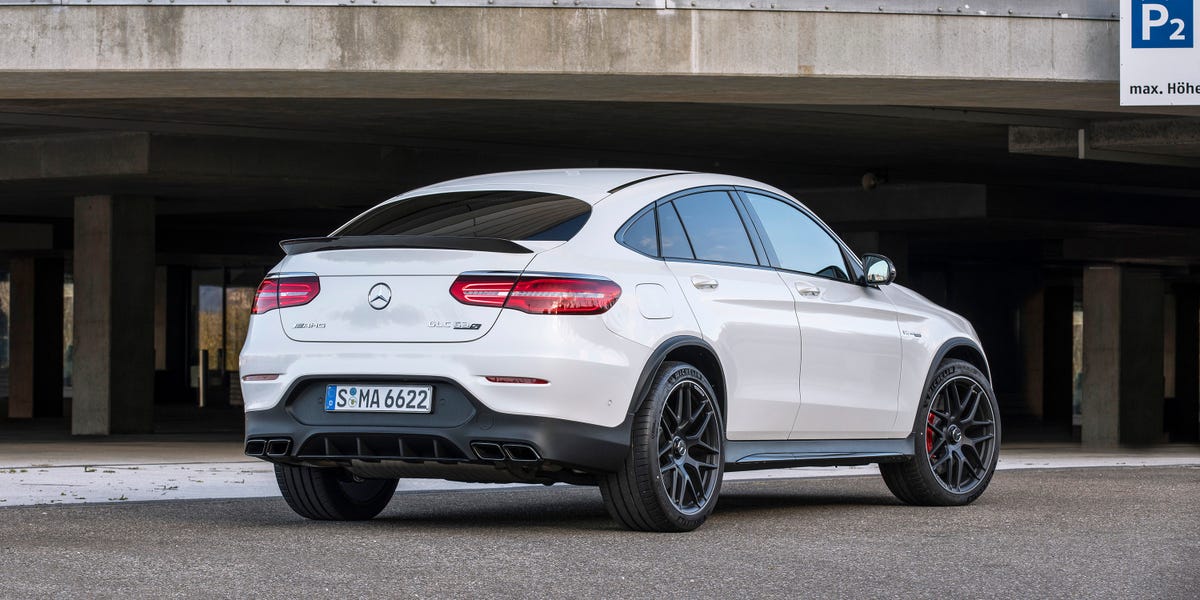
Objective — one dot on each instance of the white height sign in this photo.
(1160, 60)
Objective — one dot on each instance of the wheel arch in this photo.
(689, 349)
(963, 349)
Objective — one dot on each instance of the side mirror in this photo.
(879, 269)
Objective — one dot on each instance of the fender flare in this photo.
(656, 359)
(939, 356)
(958, 342)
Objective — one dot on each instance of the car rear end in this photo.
(417, 341)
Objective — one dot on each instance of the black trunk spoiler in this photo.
(317, 244)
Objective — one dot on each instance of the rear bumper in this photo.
(460, 431)
(592, 372)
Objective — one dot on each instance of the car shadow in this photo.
(581, 508)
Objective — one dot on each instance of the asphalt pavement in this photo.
(166, 468)
(1128, 532)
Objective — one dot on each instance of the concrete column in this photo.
(1046, 337)
(36, 338)
(170, 338)
(114, 315)
(1033, 345)
(1187, 364)
(1122, 356)
(1058, 385)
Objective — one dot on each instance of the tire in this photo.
(332, 494)
(671, 477)
(957, 434)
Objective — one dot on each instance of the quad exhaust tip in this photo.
(494, 452)
(278, 447)
(273, 448)
(488, 451)
(521, 453)
(256, 447)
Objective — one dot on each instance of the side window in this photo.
(800, 244)
(715, 228)
(642, 234)
(671, 235)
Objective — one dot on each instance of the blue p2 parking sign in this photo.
(1162, 23)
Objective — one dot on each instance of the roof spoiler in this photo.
(317, 244)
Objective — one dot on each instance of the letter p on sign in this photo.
(1162, 23)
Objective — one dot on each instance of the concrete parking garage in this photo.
(151, 154)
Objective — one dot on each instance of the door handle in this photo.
(704, 283)
(807, 291)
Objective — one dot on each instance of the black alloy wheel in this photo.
(671, 478)
(689, 447)
(957, 441)
(961, 435)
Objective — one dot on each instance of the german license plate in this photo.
(379, 398)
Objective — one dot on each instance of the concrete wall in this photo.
(692, 55)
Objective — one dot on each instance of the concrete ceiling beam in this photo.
(723, 56)
(1160, 249)
(1138, 142)
(71, 162)
(898, 203)
(1179, 137)
(74, 155)
(1043, 141)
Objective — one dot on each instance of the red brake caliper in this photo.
(929, 436)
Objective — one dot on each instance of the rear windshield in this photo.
(534, 216)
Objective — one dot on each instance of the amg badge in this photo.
(455, 325)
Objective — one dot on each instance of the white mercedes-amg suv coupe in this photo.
(643, 331)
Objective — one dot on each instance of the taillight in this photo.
(538, 294)
(286, 290)
(563, 296)
(482, 290)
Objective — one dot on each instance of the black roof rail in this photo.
(637, 181)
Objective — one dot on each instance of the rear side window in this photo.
(508, 215)
(715, 228)
(674, 240)
(642, 234)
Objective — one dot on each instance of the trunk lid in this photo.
(392, 295)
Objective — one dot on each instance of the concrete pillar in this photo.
(1058, 385)
(1033, 346)
(36, 338)
(1046, 341)
(1122, 356)
(1186, 421)
(170, 336)
(114, 315)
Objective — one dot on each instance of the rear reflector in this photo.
(263, 377)
(526, 380)
(538, 294)
(284, 291)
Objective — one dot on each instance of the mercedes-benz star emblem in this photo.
(380, 296)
